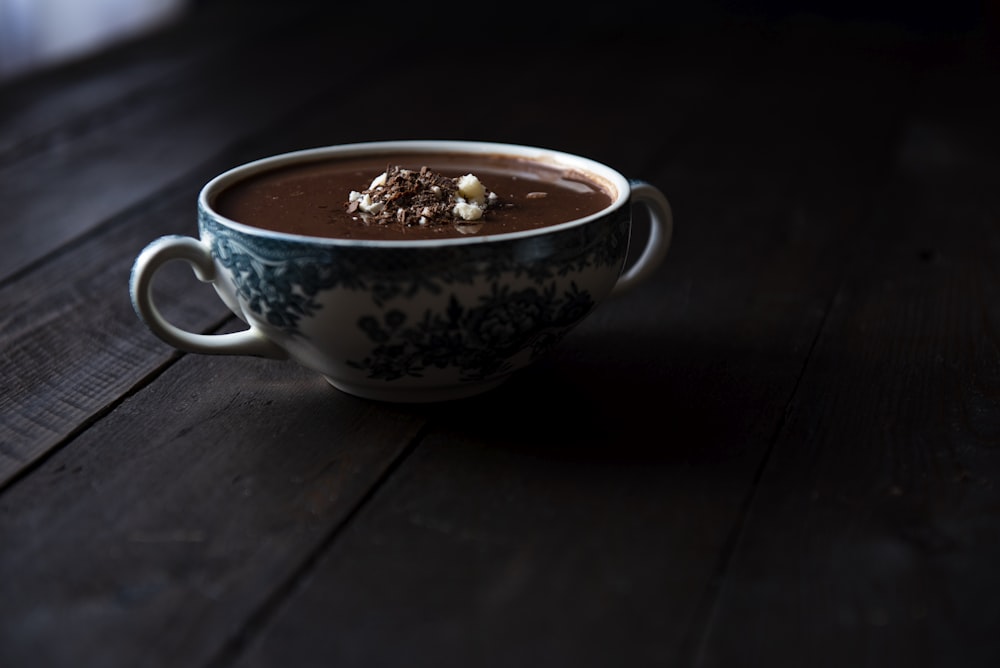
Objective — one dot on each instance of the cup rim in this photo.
(613, 178)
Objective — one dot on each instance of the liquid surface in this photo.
(311, 198)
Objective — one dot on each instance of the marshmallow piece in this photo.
(467, 211)
(472, 189)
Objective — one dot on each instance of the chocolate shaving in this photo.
(412, 197)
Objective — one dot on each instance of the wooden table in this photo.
(784, 450)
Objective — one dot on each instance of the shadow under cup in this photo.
(408, 320)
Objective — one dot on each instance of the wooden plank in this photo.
(872, 539)
(563, 551)
(44, 108)
(71, 344)
(188, 507)
(56, 194)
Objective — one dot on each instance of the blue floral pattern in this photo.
(280, 279)
(479, 340)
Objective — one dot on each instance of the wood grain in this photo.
(780, 451)
(251, 483)
(874, 525)
(584, 528)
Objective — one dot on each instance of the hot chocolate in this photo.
(412, 196)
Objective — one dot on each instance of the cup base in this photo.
(413, 395)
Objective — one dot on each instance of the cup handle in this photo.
(176, 247)
(661, 231)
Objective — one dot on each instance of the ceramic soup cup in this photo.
(410, 320)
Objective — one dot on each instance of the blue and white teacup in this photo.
(413, 320)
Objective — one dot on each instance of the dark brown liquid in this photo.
(310, 198)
